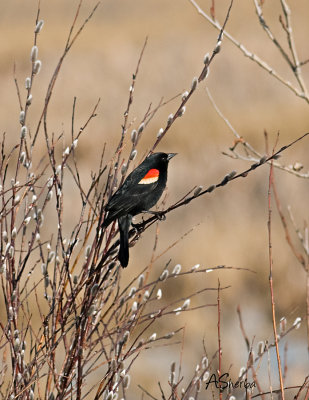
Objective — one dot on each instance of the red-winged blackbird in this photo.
(139, 192)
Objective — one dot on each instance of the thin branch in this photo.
(271, 281)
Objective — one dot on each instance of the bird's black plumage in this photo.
(140, 191)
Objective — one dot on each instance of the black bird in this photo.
(139, 192)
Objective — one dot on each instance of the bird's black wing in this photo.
(130, 189)
(128, 200)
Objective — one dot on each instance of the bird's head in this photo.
(157, 159)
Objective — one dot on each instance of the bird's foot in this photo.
(159, 214)
(138, 226)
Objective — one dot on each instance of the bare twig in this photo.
(271, 281)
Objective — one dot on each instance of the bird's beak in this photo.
(171, 155)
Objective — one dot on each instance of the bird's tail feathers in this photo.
(124, 226)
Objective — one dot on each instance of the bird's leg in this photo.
(137, 226)
(158, 214)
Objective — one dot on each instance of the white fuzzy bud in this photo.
(134, 306)
(182, 111)
(297, 166)
(159, 294)
(49, 195)
(134, 136)
(194, 83)
(23, 132)
(37, 237)
(22, 117)
(141, 128)
(132, 291)
(205, 376)
(28, 83)
(87, 251)
(164, 275)
(44, 269)
(169, 335)
(297, 323)
(11, 312)
(141, 279)
(195, 267)
(159, 134)
(37, 66)
(126, 381)
(206, 59)
(170, 119)
(92, 310)
(261, 348)
(66, 151)
(39, 26)
(27, 220)
(51, 256)
(218, 47)
(152, 337)
(22, 157)
(282, 325)
(133, 154)
(197, 191)
(34, 53)
(177, 310)
(184, 95)
(46, 281)
(29, 100)
(204, 74)
(50, 182)
(11, 251)
(94, 289)
(75, 142)
(176, 269)
(16, 344)
(123, 169)
(186, 304)
(146, 295)
(19, 377)
(5, 236)
(126, 336)
(204, 362)
(14, 233)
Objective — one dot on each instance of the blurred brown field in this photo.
(230, 225)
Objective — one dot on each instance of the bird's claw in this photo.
(137, 227)
(161, 216)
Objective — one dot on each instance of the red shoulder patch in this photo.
(151, 177)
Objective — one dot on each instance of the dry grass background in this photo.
(232, 222)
